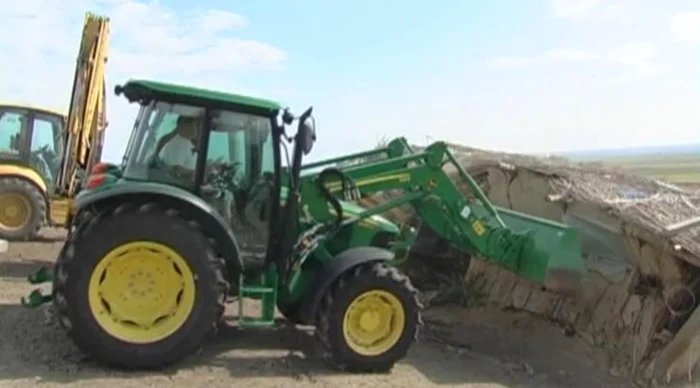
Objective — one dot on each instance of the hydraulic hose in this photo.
(344, 181)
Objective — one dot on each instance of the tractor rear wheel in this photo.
(369, 318)
(139, 287)
(22, 209)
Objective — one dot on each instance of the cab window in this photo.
(165, 145)
(12, 128)
(239, 153)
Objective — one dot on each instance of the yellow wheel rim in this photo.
(15, 211)
(374, 322)
(141, 292)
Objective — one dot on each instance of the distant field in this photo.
(676, 168)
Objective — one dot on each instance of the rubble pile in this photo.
(640, 246)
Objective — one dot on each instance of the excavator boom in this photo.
(542, 251)
(86, 121)
(45, 155)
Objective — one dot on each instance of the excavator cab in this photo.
(31, 137)
(30, 156)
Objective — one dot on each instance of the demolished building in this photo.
(641, 243)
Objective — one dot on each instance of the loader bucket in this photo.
(553, 257)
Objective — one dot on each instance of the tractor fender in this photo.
(331, 270)
(205, 215)
(28, 174)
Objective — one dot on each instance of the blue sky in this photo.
(528, 76)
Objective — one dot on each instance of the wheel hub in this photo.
(141, 292)
(373, 322)
(369, 321)
(15, 210)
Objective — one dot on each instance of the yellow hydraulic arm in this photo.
(87, 116)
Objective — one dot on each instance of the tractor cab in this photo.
(223, 155)
(32, 137)
(222, 148)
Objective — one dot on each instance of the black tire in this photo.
(290, 312)
(90, 241)
(329, 320)
(37, 208)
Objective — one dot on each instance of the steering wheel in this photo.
(223, 176)
(220, 178)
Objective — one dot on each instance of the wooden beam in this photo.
(675, 357)
(681, 226)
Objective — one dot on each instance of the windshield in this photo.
(143, 112)
(165, 145)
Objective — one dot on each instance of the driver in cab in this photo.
(178, 149)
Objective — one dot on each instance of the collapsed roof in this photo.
(641, 242)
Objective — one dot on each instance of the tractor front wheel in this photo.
(139, 287)
(369, 318)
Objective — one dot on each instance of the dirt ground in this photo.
(459, 348)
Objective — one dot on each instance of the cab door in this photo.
(46, 134)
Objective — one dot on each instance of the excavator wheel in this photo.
(22, 209)
(139, 287)
(369, 319)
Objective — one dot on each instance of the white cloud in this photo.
(614, 12)
(593, 11)
(543, 58)
(686, 27)
(632, 53)
(572, 8)
(147, 40)
(217, 20)
(636, 60)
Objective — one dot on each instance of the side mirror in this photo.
(306, 133)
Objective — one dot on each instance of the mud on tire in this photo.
(89, 243)
(37, 208)
(330, 317)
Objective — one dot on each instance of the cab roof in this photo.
(144, 89)
(14, 105)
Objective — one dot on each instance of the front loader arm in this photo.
(542, 251)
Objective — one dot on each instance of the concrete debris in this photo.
(641, 241)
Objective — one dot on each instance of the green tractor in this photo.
(202, 208)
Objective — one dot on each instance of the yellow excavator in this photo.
(46, 155)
